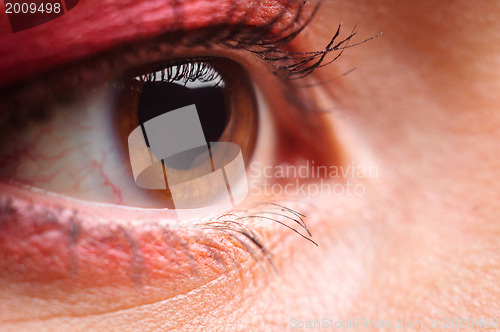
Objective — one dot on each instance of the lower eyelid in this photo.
(59, 254)
(87, 261)
(32, 214)
(55, 248)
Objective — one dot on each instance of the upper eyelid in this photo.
(244, 28)
(101, 25)
(98, 68)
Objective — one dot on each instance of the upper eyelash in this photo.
(197, 70)
(296, 65)
(289, 65)
(29, 97)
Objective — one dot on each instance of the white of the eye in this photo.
(264, 154)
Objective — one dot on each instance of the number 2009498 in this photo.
(32, 8)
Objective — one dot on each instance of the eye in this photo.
(81, 149)
(68, 144)
(78, 147)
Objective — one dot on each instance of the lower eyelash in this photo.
(68, 225)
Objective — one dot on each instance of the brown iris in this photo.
(220, 88)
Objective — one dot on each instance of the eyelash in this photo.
(73, 79)
(197, 70)
(232, 225)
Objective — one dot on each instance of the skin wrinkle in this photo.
(74, 233)
(181, 295)
(184, 248)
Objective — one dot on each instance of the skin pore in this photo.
(422, 241)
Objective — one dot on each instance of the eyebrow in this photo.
(96, 26)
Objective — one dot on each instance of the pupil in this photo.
(159, 97)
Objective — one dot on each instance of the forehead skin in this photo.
(422, 243)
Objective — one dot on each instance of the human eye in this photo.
(73, 215)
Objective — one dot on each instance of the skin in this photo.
(421, 243)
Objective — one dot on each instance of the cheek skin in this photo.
(426, 108)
